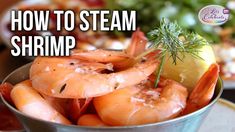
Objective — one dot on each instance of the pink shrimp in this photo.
(30, 102)
(137, 105)
(100, 55)
(138, 43)
(78, 107)
(120, 60)
(66, 78)
(203, 91)
(90, 120)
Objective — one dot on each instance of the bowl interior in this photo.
(22, 73)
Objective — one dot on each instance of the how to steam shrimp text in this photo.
(46, 44)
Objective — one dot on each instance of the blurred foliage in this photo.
(185, 12)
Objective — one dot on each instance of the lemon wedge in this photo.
(190, 69)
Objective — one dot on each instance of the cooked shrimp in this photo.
(138, 104)
(65, 78)
(78, 107)
(71, 108)
(59, 104)
(69, 63)
(119, 59)
(138, 43)
(135, 48)
(28, 101)
(203, 91)
(90, 120)
(100, 55)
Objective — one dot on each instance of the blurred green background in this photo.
(185, 12)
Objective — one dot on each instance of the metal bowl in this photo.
(187, 123)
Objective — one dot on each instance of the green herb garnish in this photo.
(170, 39)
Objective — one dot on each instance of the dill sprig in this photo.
(171, 39)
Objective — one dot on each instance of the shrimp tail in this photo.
(203, 91)
(138, 43)
(78, 107)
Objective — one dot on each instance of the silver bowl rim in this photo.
(185, 117)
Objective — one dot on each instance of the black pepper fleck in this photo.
(143, 60)
(62, 88)
(116, 85)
